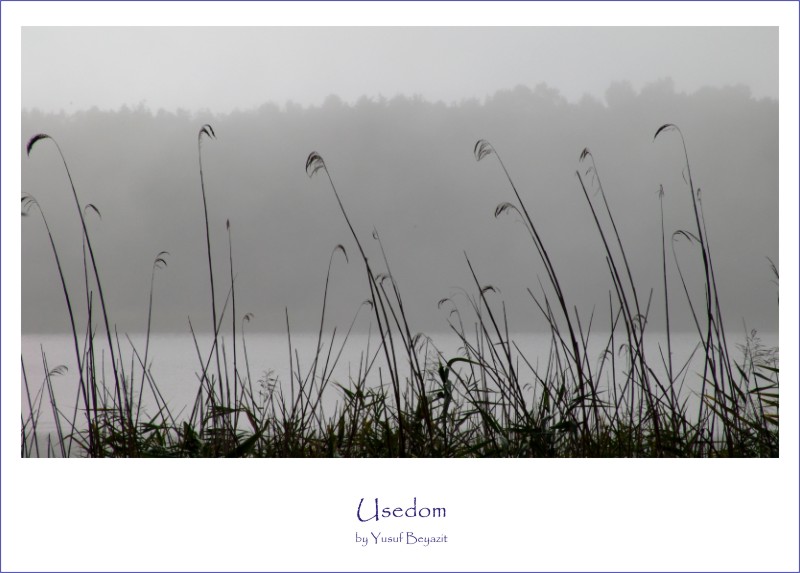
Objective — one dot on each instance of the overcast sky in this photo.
(222, 69)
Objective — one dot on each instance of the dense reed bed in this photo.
(405, 397)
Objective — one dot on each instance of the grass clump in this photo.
(405, 397)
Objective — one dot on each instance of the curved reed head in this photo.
(482, 149)
(160, 261)
(28, 202)
(208, 130)
(34, 139)
(506, 206)
(314, 163)
(666, 127)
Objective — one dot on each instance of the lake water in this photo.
(175, 366)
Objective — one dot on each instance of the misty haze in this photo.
(404, 167)
(509, 306)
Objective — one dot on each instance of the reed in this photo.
(404, 396)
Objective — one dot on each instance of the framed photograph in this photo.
(399, 286)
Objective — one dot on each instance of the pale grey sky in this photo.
(221, 69)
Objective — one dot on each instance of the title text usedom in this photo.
(365, 514)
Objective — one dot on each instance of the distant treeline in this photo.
(405, 168)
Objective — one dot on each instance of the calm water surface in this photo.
(176, 368)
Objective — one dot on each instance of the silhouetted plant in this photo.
(490, 399)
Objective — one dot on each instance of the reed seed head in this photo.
(34, 139)
(208, 130)
(482, 149)
(314, 163)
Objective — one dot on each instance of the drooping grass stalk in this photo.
(483, 149)
(699, 230)
(158, 263)
(634, 336)
(666, 291)
(208, 131)
(713, 319)
(233, 330)
(668, 363)
(593, 169)
(634, 320)
(89, 349)
(315, 363)
(31, 143)
(29, 202)
(719, 326)
(315, 163)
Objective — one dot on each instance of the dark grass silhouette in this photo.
(406, 398)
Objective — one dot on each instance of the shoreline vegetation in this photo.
(405, 398)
